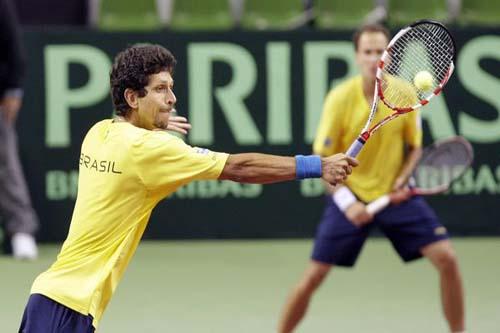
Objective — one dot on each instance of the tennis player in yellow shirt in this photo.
(127, 165)
(386, 163)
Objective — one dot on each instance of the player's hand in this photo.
(400, 183)
(400, 195)
(337, 167)
(9, 107)
(178, 124)
(358, 215)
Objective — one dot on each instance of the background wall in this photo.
(245, 91)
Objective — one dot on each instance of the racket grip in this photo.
(378, 204)
(355, 147)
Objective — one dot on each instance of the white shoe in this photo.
(24, 246)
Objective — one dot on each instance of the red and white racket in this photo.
(441, 164)
(414, 68)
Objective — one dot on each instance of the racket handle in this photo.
(378, 204)
(355, 147)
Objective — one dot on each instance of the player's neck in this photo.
(129, 117)
(123, 119)
(368, 88)
(119, 119)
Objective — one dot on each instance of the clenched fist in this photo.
(337, 167)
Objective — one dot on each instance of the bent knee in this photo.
(446, 260)
(313, 278)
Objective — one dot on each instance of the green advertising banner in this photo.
(245, 91)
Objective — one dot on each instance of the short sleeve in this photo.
(164, 161)
(330, 126)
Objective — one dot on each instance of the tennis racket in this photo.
(441, 164)
(414, 68)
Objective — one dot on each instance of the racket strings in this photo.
(424, 48)
(438, 47)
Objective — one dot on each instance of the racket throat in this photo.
(363, 137)
(358, 144)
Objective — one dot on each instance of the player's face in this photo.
(371, 45)
(154, 108)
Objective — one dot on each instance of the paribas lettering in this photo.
(98, 165)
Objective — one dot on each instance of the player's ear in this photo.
(131, 96)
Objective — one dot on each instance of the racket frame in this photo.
(380, 203)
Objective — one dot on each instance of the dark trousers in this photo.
(15, 204)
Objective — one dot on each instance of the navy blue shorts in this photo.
(409, 226)
(44, 315)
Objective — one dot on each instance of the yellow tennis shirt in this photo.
(345, 112)
(124, 172)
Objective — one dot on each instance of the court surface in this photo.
(240, 286)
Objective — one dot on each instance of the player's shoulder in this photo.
(347, 88)
(132, 136)
(97, 129)
(110, 129)
(100, 124)
(343, 93)
(158, 135)
(157, 139)
(349, 84)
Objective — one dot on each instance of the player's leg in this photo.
(338, 242)
(415, 230)
(299, 298)
(442, 256)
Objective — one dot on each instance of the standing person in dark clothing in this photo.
(20, 220)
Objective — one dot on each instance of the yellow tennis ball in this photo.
(423, 80)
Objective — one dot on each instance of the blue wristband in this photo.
(308, 166)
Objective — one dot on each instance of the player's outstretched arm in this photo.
(264, 169)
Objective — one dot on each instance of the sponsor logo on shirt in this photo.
(202, 151)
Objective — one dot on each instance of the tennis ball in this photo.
(423, 80)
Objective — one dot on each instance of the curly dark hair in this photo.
(132, 68)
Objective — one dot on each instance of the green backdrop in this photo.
(245, 91)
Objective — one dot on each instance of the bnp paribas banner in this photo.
(245, 92)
